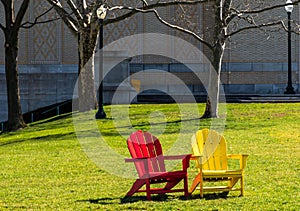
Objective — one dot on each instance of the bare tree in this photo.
(11, 32)
(11, 29)
(230, 17)
(81, 18)
(240, 15)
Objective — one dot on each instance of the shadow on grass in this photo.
(132, 199)
(161, 123)
(102, 201)
(210, 196)
(160, 197)
(154, 198)
(142, 126)
(165, 197)
(11, 142)
(51, 119)
(53, 137)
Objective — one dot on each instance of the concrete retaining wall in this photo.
(40, 86)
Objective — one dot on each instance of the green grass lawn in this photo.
(45, 167)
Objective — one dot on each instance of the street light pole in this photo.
(101, 13)
(289, 88)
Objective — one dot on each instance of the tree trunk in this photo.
(219, 38)
(15, 117)
(87, 39)
(212, 102)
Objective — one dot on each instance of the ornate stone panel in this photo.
(44, 39)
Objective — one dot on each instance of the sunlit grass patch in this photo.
(44, 166)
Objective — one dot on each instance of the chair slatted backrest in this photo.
(212, 146)
(144, 145)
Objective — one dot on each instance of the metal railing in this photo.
(43, 113)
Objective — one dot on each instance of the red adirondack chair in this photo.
(148, 158)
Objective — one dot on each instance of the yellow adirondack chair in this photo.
(209, 152)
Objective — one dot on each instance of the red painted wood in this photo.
(147, 155)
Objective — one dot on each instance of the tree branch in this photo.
(21, 13)
(2, 27)
(238, 13)
(264, 9)
(29, 24)
(8, 10)
(193, 34)
(81, 4)
(145, 2)
(227, 14)
(170, 25)
(66, 17)
(148, 7)
(256, 26)
(75, 9)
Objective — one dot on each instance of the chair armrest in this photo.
(241, 157)
(176, 157)
(195, 157)
(198, 158)
(185, 159)
(135, 159)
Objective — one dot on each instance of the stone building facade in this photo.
(254, 63)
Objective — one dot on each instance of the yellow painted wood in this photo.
(210, 154)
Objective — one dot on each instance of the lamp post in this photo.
(101, 13)
(289, 88)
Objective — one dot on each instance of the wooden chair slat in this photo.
(210, 152)
(147, 155)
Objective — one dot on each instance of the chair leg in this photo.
(195, 183)
(135, 187)
(148, 190)
(172, 183)
(185, 186)
(242, 185)
(201, 188)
